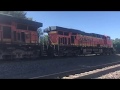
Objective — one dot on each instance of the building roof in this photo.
(19, 20)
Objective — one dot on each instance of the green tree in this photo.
(30, 18)
(46, 38)
(116, 44)
(20, 14)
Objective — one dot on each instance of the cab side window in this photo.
(32, 28)
(20, 26)
(66, 33)
(60, 32)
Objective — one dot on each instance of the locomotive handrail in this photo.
(50, 41)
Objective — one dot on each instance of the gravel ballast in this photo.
(21, 69)
(111, 75)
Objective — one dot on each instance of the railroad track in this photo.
(75, 71)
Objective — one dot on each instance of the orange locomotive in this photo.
(67, 41)
(18, 37)
(16, 30)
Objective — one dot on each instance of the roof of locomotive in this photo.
(57, 28)
(4, 17)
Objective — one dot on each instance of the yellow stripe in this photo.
(53, 32)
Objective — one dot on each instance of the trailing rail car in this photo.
(19, 39)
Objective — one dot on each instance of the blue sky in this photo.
(101, 22)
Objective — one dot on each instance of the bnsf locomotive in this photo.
(69, 42)
(19, 39)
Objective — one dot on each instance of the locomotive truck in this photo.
(19, 39)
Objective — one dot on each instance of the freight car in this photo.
(72, 42)
(18, 37)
